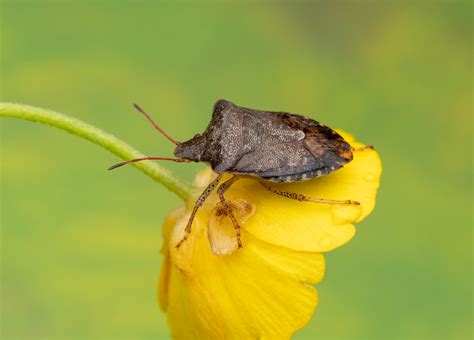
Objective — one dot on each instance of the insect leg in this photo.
(367, 147)
(220, 191)
(205, 194)
(303, 198)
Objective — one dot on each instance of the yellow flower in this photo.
(210, 289)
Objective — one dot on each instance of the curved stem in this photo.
(101, 138)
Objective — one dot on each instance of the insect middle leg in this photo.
(200, 201)
(303, 198)
(220, 191)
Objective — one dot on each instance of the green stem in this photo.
(79, 128)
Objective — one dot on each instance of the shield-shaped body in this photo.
(275, 146)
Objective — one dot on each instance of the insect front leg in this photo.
(220, 191)
(200, 201)
(363, 148)
(303, 198)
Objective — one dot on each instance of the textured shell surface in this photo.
(277, 146)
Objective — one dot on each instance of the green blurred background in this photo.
(80, 245)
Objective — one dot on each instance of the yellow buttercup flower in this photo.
(211, 289)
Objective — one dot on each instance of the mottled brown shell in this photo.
(276, 146)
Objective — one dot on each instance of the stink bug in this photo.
(268, 146)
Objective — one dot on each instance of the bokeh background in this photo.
(80, 245)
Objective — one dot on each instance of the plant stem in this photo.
(79, 128)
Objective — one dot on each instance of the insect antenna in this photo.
(154, 124)
(178, 160)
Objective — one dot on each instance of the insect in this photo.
(268, 146)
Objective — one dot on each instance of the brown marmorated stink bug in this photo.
(268, 146)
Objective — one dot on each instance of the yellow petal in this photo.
(163, 282)
(260, 291)
(312, 226)
(265, 289)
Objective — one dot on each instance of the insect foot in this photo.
(200, 201)
(221, 228)
(222, 189)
